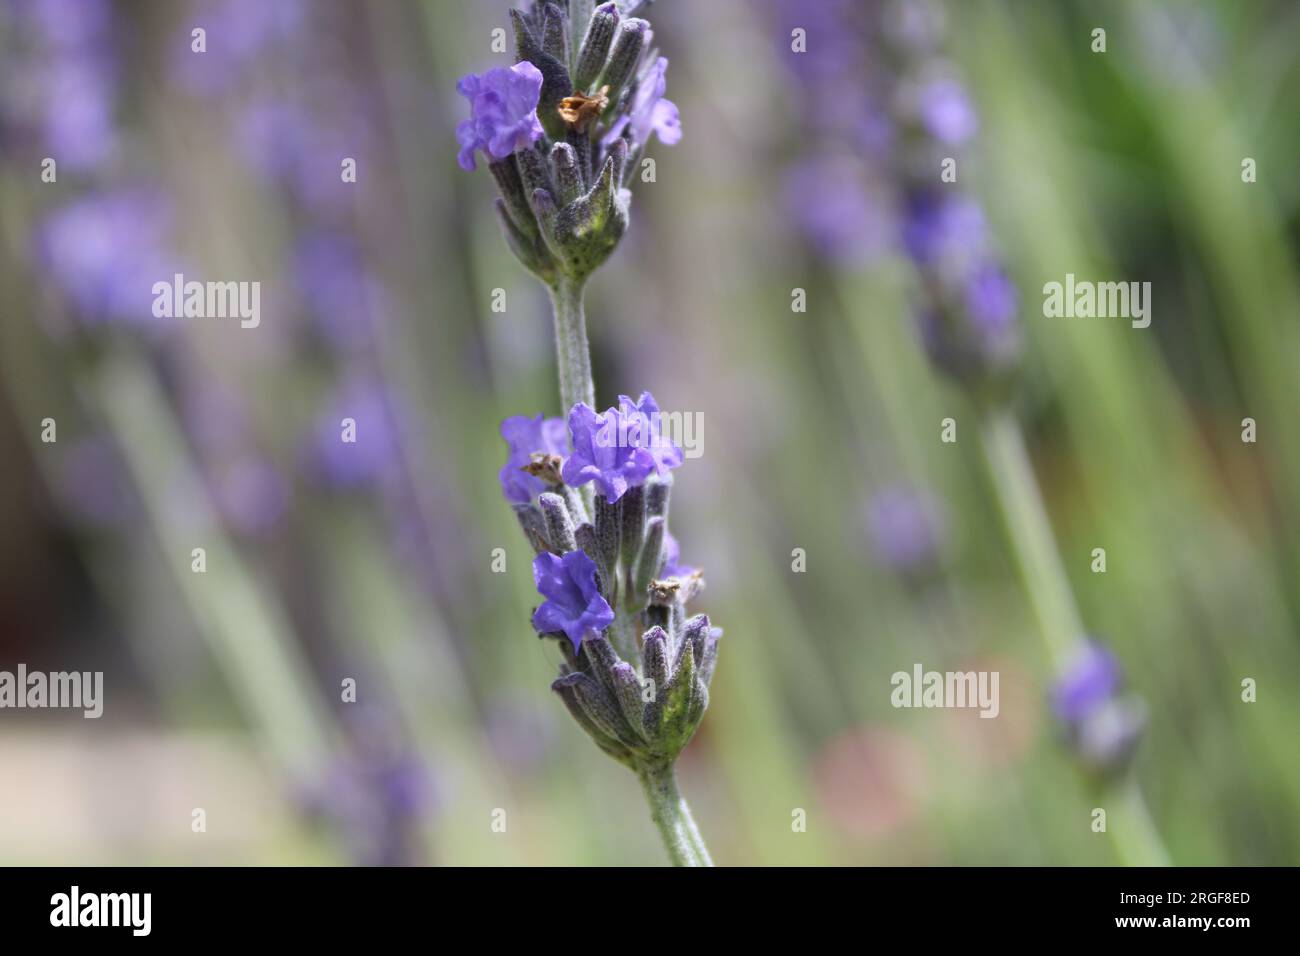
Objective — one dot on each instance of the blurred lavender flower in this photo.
(341, 294)
(620, 448)
(526, 437)
(830, 201)
(946, 111)
(296, 148)
(376, 795)
(503, 112)
(650, 112)
(237, 33)
(60, 80)
(374, 455)
(573, 605)
(907, 529)
(105, 252)
(673, 568)
(1101, 725)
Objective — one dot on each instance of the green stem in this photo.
(1031, 535)
(573, 356)
(571, 345)
(672, 816)
(1136, 842)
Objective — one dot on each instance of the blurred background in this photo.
(373, 561)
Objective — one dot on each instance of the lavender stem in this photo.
(571, 344)
(1136, 841)
(673, 817)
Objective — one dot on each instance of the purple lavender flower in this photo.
(991, 306)
(944, 232)
(1101, 725)
(238, 32)
(526, 436)
(285, 141)
(946, 111)
(342, 295)
(105, 252)
(375, 454)
(78, 125)
(651, 112)
(906, 528)
(503, 112)
(673, 568)
(1092, 678)
(829, 200)
(619, 449)
(574, 606)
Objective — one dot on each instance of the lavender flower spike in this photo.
(503, 112)
(619, 449)
(574, 606)
(560, 130)
(1102, 725)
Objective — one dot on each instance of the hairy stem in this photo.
(573, 357)
(672, 816)
(571, 350)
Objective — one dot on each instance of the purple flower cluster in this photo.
(60, 80)
(558, 128)
(1101, 724)
(619, 449)
(503, 112)
(651, 113)
(526, 437)
(573, 606)
(907, 529)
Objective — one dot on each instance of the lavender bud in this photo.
(627, 691)
(657, 491)
(654, 657)
(576, 690)
(595, 46)
(559, 525)
(506, 174)
(694, 634)
(709, 659)
(632, 521)
(534, 525)
(555, 76)
(534, 173)
(649, 561)
(607, 531)
(568, 178)
(531, 251)
(624, 58)
(555, 33)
